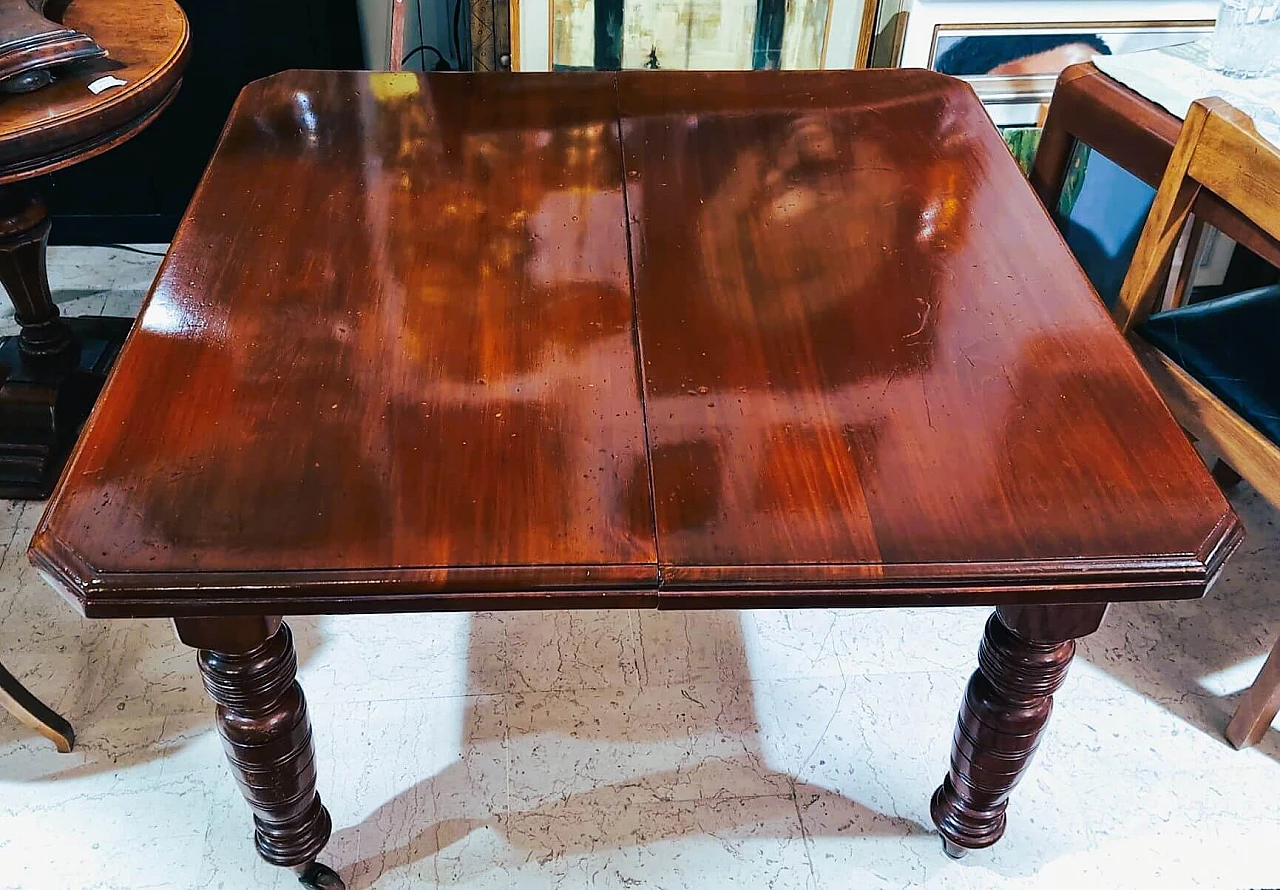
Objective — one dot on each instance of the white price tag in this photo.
(105, 83)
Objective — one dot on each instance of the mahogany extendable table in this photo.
(641, 340)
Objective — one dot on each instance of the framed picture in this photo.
(690, 34)
(1012, 51)
(1013, 67)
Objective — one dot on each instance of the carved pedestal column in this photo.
(1023, 659)
(266, 733)
(51, 373)
(24, 241)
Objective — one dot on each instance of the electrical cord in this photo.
(443, 63)
(133, 249)
(427, 47)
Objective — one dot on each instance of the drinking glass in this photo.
(1246, 39)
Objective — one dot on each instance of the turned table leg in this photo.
(249, 668)
(1023, 659)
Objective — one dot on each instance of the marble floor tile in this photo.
(103, 268)
(588, 649)
(95, 281)
(694, 647)
(629, 749)
(659, 743)
(610, 843)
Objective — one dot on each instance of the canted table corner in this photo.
(637, 340)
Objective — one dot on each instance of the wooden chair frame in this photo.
(1220, 151)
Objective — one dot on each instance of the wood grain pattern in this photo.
(64, 123)
(395, 343)
(398, 313)
(1162, 229)
(864, 344)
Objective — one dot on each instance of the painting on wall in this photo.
(688, 34)
(1013, 66)
(610, 35)
(1032, 49)
(1012, 51)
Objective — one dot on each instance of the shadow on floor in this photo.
(1166, 650)
(424, 820)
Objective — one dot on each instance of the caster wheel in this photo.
(954, 851)
(320, 877)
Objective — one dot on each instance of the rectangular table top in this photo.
(505, 341)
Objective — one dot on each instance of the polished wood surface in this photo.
(1023, 660)
(51, 372)
(250, 673)
(1133, 132)
(64, 123)
(1218, 152)
(442, 387)
(455, 341)
(857, 328)
(396, 346)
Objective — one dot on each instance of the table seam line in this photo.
(635, 335)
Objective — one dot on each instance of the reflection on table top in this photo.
(461, 341)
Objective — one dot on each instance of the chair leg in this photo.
(1259, 706)
(1225, 475)
(34, 713)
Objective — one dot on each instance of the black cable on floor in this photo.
(133, 249)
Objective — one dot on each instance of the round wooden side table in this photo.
(52, 371)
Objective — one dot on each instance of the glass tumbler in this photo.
(1246, 39)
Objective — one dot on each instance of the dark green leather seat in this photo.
(1232, 347)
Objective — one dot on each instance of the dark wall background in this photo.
(138, 191)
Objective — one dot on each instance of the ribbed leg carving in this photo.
(1005, 708)
(266, 733)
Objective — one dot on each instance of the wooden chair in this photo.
(1214, 362)
(34, 713)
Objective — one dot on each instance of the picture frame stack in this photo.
(1012, 51)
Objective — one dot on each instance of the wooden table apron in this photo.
(664, 340)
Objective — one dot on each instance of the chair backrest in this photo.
(1219, 150)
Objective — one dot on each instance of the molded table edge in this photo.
(140, 595)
